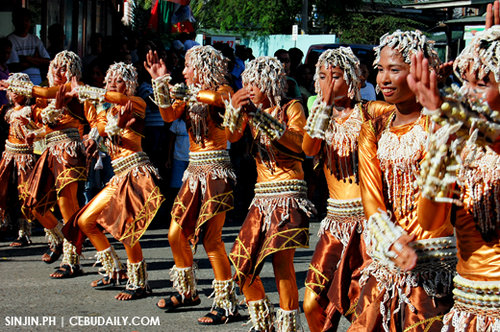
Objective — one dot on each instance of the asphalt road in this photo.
(31, 301)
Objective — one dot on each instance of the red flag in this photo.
(153, 20)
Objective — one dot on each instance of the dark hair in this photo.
(20, 13)
(4, 43)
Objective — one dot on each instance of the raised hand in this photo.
(62, 97)
(126, 116)
(423, 82)
(4, 85)
(154, 65)
(492, 14)
(240, 98)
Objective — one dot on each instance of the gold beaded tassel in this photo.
(184, 281)
(261, 314)
(288, 320)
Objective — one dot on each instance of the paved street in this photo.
(29, 295)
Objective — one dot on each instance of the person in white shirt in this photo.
(28, 52)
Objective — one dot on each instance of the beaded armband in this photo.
(233, 118)
(318, 120)
(266, 124)
(21, 88)
(86, 92)
(383, 233)
(50, 114)
(439, 167)
(470, 113)
(161, 91)
(182, 92)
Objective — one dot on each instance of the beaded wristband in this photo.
(86, 92)
(232, 117)
(266, 124)
(161, 91)
(318, 120)
(21, 88)
(383, 233)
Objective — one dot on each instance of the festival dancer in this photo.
(61, 166)
(472, 163)
(402, 289)
(18, 158)
(128, 203)
(277, 222)
(332, 131)
(206, 194)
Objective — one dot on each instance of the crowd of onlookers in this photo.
(167, 144)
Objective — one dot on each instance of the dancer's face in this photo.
(16, 99)
(391, 76)
(256, 96)
(116, 84)
(59, 73)
(188, 72)
(335, 76)
(485, 89)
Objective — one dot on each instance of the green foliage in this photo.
(262, 17)
(367, 29)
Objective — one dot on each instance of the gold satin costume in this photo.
(477, 227)
(128, 203)
(199, 210)
(18, 159)
(61, 166)
(417, 299)
(277, 222)
(344, 218)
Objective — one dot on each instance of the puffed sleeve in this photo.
(294, 133)
(370, 173)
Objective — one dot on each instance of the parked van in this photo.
(364, 53)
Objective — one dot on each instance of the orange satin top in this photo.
(74, 116)
(215, 138)
(373, 188)
(285, 166)
(130, 140)
(17, 130)
(338, 188)
(477, 259)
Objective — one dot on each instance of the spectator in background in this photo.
(293, 91)
(175, 65)
(239, 65)
(296, 56)
(304, 76)
(5, 50)
(28, 53)
(56, 39)
(96, 49)
(190, 40)
(367, 90)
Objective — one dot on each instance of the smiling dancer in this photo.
(402, 290)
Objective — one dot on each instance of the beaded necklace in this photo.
(342, 145)
(399, 160)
